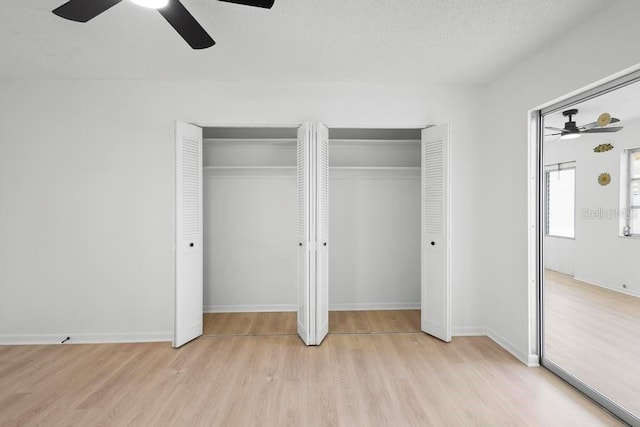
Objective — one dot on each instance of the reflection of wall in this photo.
(559, 254)
(598, 255)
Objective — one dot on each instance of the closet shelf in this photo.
(251, 141)
(250, 167)
(374, 168)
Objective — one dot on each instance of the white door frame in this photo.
(536, 230)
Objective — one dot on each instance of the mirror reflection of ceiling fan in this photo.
(172, 10)
(571, 130)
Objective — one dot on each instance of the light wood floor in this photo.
(340, 322)
(594, 334)
(350, 380)
(375, 321)
(225, 324)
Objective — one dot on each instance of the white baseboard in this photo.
(507, 345)
(110, 338)
(265, 308)
(534, 361)
(359, 306)
(610, 287)
(249, 308)
(468, 331)
(531, 360)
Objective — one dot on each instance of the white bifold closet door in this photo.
(189, 254)
(313, 224)
(322, 232)
(435, 277)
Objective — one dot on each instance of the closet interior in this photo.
(249, 223)
(374, 229)
(250, 219)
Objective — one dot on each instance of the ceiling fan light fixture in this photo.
(572, 135)
(173, 11)
(151, 4)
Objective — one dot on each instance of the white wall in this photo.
(87, 202)
(250, 243)
(374, 257)
(374, 261)
(598, 254)
(562, 67)
(250, 240)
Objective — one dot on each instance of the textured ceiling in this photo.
(436, 41)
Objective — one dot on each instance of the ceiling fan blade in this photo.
(603, 130)
(186, 25)
(552, 128)
(267, 4)
(595, 124)
(84, 10)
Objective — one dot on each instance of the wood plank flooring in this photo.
(375, 321)
(594, 334)
(225, 324)
(350, 380)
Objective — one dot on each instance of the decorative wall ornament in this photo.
(604, 119)
(602, 148)
(604, 179)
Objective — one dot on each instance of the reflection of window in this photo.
(633, 204)
(560, 200)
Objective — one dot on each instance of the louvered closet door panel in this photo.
(304, 321)
(188, 286)
(322, 228)
(435, 288)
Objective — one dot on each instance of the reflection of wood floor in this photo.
(594, 334)
(375, 321)
(350, 380)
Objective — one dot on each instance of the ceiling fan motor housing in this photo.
(570, 125)
(570, 113)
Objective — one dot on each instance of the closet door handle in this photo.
(433, 243)
(324, 244)
(299, 244)
(190, 245)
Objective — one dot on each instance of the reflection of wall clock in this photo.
(604, 119)
(604, 179)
